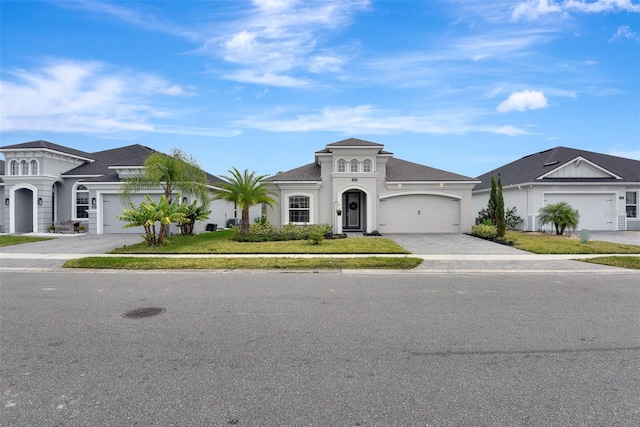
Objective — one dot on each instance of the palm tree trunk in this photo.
(244, 226)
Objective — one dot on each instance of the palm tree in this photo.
(245, 190)
(175, 172)
(192, 213)
(561, 215)
(150, 212)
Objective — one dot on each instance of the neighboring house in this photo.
(355, 185)
(603, 189)
(43, 183)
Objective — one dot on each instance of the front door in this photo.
(352, 211)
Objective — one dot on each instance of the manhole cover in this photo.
(140, 313)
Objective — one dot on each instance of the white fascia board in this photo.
(578, 160)
(431, 182)
(125, 167)
(82, 176)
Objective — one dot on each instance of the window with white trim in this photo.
(34, 167)
(299, 211)
(631, 198)
(82, 201)
(353, 166)
(366, 166)
(342, 165)
(15, 170)
(24, 167)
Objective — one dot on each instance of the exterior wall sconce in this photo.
(6, 201)
(338, 208)
(39, 201)
(184, 200)
(93, 202)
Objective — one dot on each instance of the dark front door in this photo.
(352, 211)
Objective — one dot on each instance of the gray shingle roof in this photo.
(530, 167)
(131, 155)
(397, 171)
(48, 145)
(402, 170)
(354, 142)
(310, 172)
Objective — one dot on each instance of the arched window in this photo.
(353, 166)
(299, 209)
(14, 168)
(82, 201)
(342, 165)
(366, 166)
(34, 167)
(24, 167)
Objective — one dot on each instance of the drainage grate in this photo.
(140, 313)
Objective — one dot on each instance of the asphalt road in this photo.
(319, 349)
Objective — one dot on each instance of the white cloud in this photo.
(533, 9)
(366, 119)
(522, 101)
(279, 37)
(625, 32)
(86, 97)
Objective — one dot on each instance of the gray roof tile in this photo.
(530, 167)
(48, 145)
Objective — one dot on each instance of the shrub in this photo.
(316, 237)
(485, 231)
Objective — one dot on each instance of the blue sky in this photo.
(460, 85)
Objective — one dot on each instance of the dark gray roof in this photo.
(310, 172)
(131, 155)
(354, 142)
(402, 170)
(47, 145)
(397, 171)
(530, 167)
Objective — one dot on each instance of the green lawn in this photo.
(9, 240)
(632, 262)
(552, 244)
(144, 263)
(219, 243)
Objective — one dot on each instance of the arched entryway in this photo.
(354, 217)
(22, 211)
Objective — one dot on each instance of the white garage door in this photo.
(419, 214)
(112, 207)
(597, 210)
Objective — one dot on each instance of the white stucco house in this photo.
(603, 189)
(356, 185)
(42, 183)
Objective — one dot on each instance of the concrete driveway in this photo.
(75, 244)
(451, 244)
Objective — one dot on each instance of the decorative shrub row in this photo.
(263, 231)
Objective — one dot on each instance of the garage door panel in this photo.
(420, 214)
(111, 208)
(597, 210)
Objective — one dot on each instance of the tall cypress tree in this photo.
(500, 223)
(493, 196)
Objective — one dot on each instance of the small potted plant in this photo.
(51, 228)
